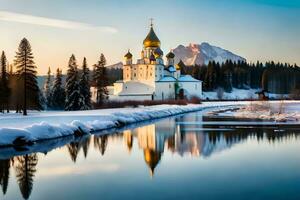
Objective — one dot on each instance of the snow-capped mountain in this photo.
(203, 53)
(118, 65)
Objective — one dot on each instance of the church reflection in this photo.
(174, 135)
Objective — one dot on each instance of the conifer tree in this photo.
(25, 169)
(58, 96)
(47, 89)
(74, 100)
(26, 71)
(101, 80)
(4, 174)
(84, 86)
(4, 88)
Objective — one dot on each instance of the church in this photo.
(150, 78)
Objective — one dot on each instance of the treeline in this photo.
(275, 78)
(19, 90)
(75, 94)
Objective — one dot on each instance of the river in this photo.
(191, 156)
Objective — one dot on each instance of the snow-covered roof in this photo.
(171, 68)
(187, 78)
(168, 79)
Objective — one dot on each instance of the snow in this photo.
(51, 124)
(236, 94)
(274, 111)
(240, 94)
(168, 79)
(187, 78)
(203, 53)
(171, 68)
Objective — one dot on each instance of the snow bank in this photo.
(240, 94)
(278, 111)
(50, 125)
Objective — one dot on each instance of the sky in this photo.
(255, 29)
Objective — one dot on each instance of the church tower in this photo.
(151, 42)
(127, 69)
(153, 56)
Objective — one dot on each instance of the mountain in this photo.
(203, 53)
(118, 65)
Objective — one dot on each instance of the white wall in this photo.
(131, 98)
(192, 88)
(164, 90)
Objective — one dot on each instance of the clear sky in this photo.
(255, 29)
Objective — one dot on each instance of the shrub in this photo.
(131, 103)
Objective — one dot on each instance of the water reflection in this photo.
(173, 135)
(4, 174)
(25, 169)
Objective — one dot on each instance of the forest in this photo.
(277, 78)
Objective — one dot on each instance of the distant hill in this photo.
(118, 65)
(203, 53)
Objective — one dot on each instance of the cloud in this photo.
(50, 22)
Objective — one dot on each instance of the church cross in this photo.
(151, 22)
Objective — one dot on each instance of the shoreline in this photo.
(102, 120)
(50, 125)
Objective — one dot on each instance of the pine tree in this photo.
(84, 86)
(74, 100)
(47, 89)
(25, 169)
(26, 71)
(4, 174)
(101, 80)
(74, 149)
(58, 96)
(4, 88)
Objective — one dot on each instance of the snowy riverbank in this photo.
(37, 126)
(277, 111)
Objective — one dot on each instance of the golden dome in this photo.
(152, 158)
(151, 40)
(128, 55)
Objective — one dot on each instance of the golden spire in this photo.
(152, 158)
(151, 40)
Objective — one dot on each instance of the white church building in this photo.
(151, 79)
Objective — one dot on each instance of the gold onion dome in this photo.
(158, 52)
(128, 55)
(152, 158)
(151, 40)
